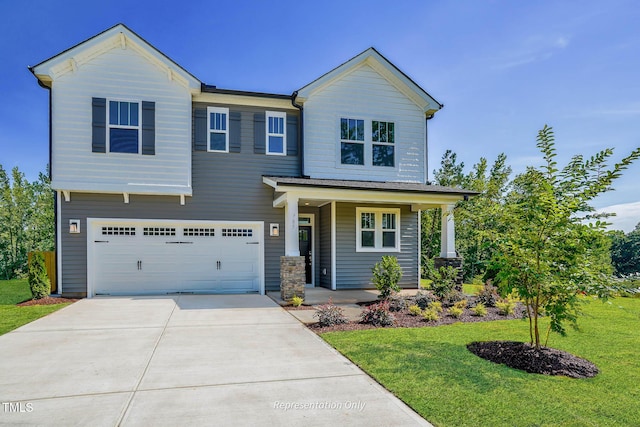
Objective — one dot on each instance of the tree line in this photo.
(26, 220)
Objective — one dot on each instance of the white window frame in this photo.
(378, 229)
(363, 142)
(388, 144)
(283, 116)
(219, 110)
(110, 126)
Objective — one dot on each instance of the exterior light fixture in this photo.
(74, 226)
(274, 230)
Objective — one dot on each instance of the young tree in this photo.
(625, 251)
(549, 254)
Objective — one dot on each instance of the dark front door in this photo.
(304, 234)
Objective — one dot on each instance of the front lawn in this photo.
(12, 316)
(431, 370)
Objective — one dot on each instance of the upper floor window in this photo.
(383, 138)
(276, 133)
(218, 129)
(352, 141)
(124, 127)
(378, 230)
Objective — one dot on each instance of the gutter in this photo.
(294, 95)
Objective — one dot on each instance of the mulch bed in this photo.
(523, 356)
(47, 301)
(405, 320)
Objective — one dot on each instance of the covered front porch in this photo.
(347, 226)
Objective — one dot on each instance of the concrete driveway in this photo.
(184, 360)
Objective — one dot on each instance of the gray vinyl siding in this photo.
(226, 187)
(324, 233)
(354, 268)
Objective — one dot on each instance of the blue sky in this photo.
(502, 68)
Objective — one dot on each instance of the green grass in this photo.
(13, 292)
(467, 288)
(433, 372)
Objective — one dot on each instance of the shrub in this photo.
(430, 315)
(461, 304)
(444, 280)
(506, 306)
(479, 310)
(488, 295)
(378, 315)
(296, 301)
(330, 314)
(436, 306)
(397, 303)
(477, 280)
(424, 298)
(455, 312)
(452, 297)
(38, 280)
(415, 310)
(386, 275)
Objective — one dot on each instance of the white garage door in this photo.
(138, 257)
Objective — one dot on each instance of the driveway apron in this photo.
(184, 360)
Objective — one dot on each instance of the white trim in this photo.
(92, 222)
(333, 246)
(280, 115)
(239, 99)
(311, 224)
(291, 242)
(126, 197)
(59, 241)
(182, 200)
(67, 186)
(219, 110)
(448, 233)
(378, 231)
(419, 248)
(362, 142)
(67, 195)
(109, 126)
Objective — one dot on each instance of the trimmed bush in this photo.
(436, 306)
(397, 302)
(479, 310)
(488, 295)
(506, 306)
(378, 315)
(415, 310)
(444, 280)
(386, 275)
(424, 298)
(455, 312)
(461, 304)
(38, 280)
(452, 297)
(430, 315)
(330, 314)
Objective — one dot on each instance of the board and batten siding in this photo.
(226, 187)
(354, 268)
(120, 74)
(363, 94)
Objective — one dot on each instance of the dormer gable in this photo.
(372, 58)
(117, 37)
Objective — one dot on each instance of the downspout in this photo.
(426, 148)
(294, 95)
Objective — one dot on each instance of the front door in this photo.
(305, 242)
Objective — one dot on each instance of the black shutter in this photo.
(200, 129)
(99, 125)
(258, 133)
(234, 131)
(148, 128)
(292, 135)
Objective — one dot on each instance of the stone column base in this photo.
(292, 277)
(453, 262)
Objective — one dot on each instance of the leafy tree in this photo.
(386, 275)
(549, 254)
(625, 252)
(26, 220)
(38, 280)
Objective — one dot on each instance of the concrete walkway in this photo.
(184, 360)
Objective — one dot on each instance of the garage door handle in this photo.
(100, 241)
(180, 243)
(253, 243)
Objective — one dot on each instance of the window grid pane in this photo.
(368, 220)
(388, 221)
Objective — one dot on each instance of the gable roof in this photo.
(386, 69)
(118, 35)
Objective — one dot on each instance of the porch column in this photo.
(291, 244)
(448, 233)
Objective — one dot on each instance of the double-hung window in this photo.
(218, 129)
(352, 141)
(377, 230)
(124, 127)
(383, 138)
(276, 133)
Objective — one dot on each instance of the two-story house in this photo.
(166, 184)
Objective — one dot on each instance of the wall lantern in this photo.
(274, 230)
(74, 226)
